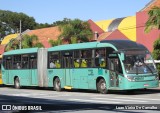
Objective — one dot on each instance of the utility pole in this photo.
(20, 44)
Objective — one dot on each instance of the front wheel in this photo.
(17, 83)
(101, 86)
(57, 84)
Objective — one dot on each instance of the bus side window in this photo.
(54, 60)
(33, 61)
(8, 62)
(58, 64)
(17, 62)
(115, 65)
(76, 60)
(85, 58)
(25, 62)
(100, 58)
(76, 63)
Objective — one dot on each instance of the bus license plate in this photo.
(146, 85)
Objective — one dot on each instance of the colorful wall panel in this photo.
(8, 38)
(146, 39)
(128, 27)
(104, 24)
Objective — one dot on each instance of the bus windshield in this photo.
(139, 62)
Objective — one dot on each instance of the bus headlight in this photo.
(130, 78)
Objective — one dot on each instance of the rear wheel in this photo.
(101, 86)
(17, 83)
(57, 84)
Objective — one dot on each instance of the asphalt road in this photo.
(33, 99)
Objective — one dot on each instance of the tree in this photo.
(55, 43)
(63, 22)
(41, 25)
(27, 42)
(153, 20)
(156, 52)
(76, 30)
(154, 23)
(30, 41)
(56, 23)
(9, 22)
(12, 45)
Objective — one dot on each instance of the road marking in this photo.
(93, 101)
(34, 95)
(27, 95)
(120, 100)
(138, 98)
(23, 95)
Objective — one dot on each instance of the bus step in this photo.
(67, 87)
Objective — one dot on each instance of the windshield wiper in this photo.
(136, 70)
(148, 68)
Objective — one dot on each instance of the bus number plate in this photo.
(146, 85)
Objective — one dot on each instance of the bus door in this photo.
(7, 72)
(33, 68)
(113, 72)
(67, 64)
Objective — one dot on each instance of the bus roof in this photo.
(125, 44)
(117, 44)
(21, 51)
(74, 46)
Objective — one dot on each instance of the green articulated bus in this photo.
(102, 66)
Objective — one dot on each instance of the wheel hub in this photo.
(103, 86)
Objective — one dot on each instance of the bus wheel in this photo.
(17, 83)
(57, 84)
(101, 86)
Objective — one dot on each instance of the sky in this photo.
(49, 11)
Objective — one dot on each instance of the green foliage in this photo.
(56, 23)
(63, 22)
(31, 41)
(4, 29)
(156, 52)
(12, 45)
(55, 43)
(12, 21)
(76, 28)
(41, 25)
(153, 20)
(27, 42)
(73, 40)
(39, 45)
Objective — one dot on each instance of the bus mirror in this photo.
(122, 56)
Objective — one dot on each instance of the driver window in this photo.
(115, 65)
